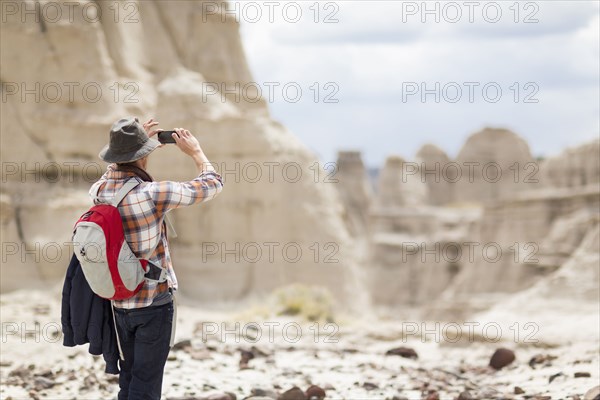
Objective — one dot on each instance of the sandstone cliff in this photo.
(495, 164)
(435, 170)
(458, 247)
(355, 190)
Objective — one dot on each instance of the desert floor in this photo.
(347, 359)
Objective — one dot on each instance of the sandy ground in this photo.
(347, 359)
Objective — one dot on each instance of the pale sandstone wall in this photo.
(350, 178)
(574, 167)
(408, 237)
(399, 185)
(501, 163)
(535, 223)
(416, 253)
(437, 172)
(493, 164)
(560, 305)
(547, 224)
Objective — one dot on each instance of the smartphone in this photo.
(166, 137)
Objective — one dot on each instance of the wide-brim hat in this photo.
(128, 142)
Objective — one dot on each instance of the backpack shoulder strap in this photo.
(126, 188)
(95, 194)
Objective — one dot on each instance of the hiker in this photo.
(145, 322)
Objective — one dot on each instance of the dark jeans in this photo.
(144, 334)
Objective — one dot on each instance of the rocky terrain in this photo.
(350, 359)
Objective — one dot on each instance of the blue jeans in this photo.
(145, 335)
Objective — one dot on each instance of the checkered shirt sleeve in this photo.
(142, 212)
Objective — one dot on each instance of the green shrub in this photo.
(310, 302)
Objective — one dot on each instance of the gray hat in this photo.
(128, 142)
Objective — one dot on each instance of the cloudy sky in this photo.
(370, 72)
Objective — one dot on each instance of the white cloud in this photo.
(369, 55)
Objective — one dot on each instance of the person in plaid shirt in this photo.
(145, 322)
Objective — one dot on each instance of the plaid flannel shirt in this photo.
(143, 211)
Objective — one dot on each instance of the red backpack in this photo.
(110, 267)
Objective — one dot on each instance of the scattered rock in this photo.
(41, 309)
(553, 377)
(182, 345)
(518, 390)
(258, 398)
(501, 358)
(245, 358)
(221, 396)
(46, 373)
(582, 375)
(433, 396)
(489, 393)
(349, 350)
(370, 386)
(257, 352)
(199, 354)
(541, 359)
(89, 382)
(465, 395)
(21, 372)
(315, 392)
(294, 393)
(259, 392)
(40, 383)
(470, 385)
(405, 352)
(285, 371)
(592, 394)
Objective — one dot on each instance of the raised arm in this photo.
(168, 195)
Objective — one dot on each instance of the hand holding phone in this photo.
(187, 142)
(166, 137)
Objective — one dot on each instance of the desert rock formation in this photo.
(437, 172)
(571, 292)
(495, 164)
(352, 182)
(399, 184)
(488, 239)
(573, 168)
